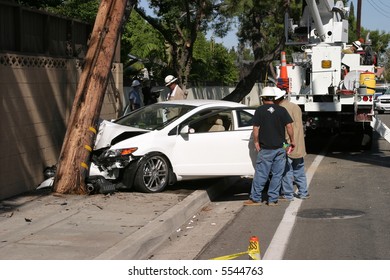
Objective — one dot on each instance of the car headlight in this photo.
(119, 152)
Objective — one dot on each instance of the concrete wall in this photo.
(252, 99)
(36, 99)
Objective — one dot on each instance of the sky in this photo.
(375, 16)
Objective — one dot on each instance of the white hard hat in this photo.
(169, 80)
(135, 83)
(268, 91)
(357, 45)
(279, 93)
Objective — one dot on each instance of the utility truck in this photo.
(335, 90)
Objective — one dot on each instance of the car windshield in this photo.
(382, 90)
(155, 116)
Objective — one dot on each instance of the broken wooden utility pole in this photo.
(73, 162)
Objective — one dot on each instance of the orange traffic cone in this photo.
(283, 67)
(283, 82)
(254, 248)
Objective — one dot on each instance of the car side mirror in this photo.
(187, 130)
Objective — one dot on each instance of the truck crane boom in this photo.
(335, 90)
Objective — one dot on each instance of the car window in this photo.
(244, 118)
(381, 89)
(155, 116)
(221, 120)
(205, 121)
(208, 120)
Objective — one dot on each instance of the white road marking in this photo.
(279, 242)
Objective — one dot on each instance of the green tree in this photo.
(85, 10)
(223, 64)
(202, 55)
(141, 40)
(379, 39)
(352, 32)
(212, 62)
(39, 4)
(180, 22)
(261, 27)
(386, 62)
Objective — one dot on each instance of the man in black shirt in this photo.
(270, 124)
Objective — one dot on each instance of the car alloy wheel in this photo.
(152, 174)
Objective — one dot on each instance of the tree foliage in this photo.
(39, 4)
(261, 27)
(85, 10)
(212, 63)
(352, 32)
(139, 39)
(180, 22)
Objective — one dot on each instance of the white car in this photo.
(170, 141)
(382, 102)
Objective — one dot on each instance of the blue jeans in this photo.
(294, 172)
(268, 161)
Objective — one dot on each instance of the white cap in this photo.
(169, 80)
(268, 91)
(279, 93)
(135, 83)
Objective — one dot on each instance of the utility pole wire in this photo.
(378, 9)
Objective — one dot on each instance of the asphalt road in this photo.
(346, 218)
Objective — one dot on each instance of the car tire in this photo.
(380, 111)
(152, 175)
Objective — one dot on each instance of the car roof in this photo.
(203, 102)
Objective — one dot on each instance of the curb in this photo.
(141, 244)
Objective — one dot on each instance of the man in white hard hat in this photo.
(354, 48)
(176, 92)
(270, 124)
(295, 164)
(135, 96)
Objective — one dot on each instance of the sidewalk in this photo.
(124, 225)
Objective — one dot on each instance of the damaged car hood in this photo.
(111, 133)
